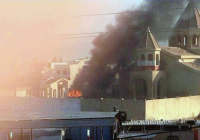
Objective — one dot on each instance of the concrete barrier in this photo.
(173, 108)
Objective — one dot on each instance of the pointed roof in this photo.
(148, 42)
(190, 17)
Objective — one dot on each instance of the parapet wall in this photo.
(173, 108)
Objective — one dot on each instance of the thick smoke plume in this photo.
(119, 43)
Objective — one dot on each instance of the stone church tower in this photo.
(145, 76)
(186, 32)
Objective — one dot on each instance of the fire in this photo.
(75, 93)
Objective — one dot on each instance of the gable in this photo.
(190, 17)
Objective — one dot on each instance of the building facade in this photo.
(57, 79)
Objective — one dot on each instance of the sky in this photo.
(40, 29)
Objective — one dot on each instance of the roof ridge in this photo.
(190, 17)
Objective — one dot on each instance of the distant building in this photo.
(57, 79)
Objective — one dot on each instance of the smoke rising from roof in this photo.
(118, 45)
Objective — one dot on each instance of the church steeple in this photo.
(148, 41)
(190, 17)
(186, 32)
(148, 53)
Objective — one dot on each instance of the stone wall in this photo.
(173, 108)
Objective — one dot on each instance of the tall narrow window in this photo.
(185, 40)
(150, 57)
(54, 93)
(179, 40)
(142, 57)
(194, 40)
(157, 59)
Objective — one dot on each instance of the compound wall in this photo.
(134, 108)
(173, 108)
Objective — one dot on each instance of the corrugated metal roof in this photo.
(16, 116)
(35, 120)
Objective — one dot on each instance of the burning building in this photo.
(57, 80)
(119, 45)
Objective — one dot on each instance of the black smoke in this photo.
(119, 43)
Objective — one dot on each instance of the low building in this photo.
(57, 79)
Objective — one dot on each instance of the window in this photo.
(157, 59)
(64, 72)
(150, 57)
(194, 40)
(185, 40)
(54, 93)
(58, 72)
(142, 57)
(179, 40)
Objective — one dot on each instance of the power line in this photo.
(85, 35)
(142, 29)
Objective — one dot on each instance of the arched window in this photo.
(157, 59)
(50, 93)
(54, 93)
(150, 60)
(185, 40)
(142, 57)
(150, 57)
(179, 40)
(194, 40)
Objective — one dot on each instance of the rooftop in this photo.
(52, 80)
(34, 120)
(177, 51)
(190, 17)
(148, 42)
(13, 116)
(194, 65)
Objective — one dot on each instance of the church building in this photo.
(166, 72)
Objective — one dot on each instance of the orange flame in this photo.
(74, 93)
